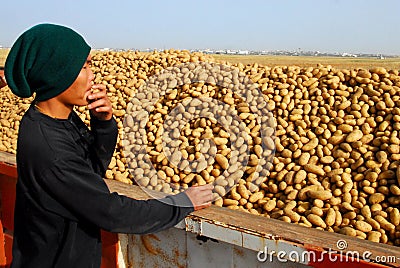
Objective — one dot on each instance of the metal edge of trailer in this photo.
(241, 231)
(263, 235)
(8, 175)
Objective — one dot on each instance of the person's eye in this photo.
(87, 64)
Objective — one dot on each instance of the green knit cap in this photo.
(45, 59)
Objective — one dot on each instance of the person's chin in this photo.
(82, 103)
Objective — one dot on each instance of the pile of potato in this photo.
(198, 132)
(337, 146)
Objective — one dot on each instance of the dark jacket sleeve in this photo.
(105, 138)
(84, 194)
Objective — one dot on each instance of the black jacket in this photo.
(62, 201)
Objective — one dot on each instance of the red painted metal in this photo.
(3, 260)
(8, 170)
(8, 175)
(109, 255)
(7, 193)
(8, 239)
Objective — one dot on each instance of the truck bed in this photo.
(218, 233)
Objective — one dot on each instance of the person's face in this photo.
(3, 82)
(77, 93)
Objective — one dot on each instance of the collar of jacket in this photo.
(72, 123)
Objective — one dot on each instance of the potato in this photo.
(348, 231)
(363, 226)
(354, 136)
(395, 216)
(385, 224)
(374, 236)
(322, 195)
(256, 196)
(270, 205)
(330, 217)
(314, 169)
(316, 220)
(222, 161)
(376, 198)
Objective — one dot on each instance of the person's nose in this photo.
(91, 75)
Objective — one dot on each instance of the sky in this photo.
(352, 26)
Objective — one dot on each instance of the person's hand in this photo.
(99, 104)
(201, 196)
(3, 82)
